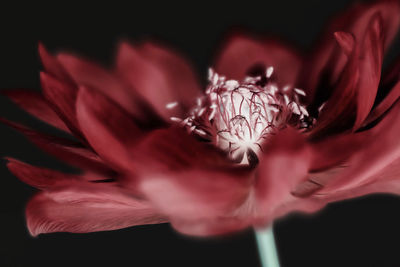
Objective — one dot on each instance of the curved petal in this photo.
(35, 104)
(52, 66)
(240, 53)
(332, 151)
(327, 61)
(388, 94)
(356, 90)
(108, 128)
(72, 152)
(187, 178)
(159, 76)
(203, 228)
(62, 98)
(196, 194)
(86, 210)
(372, 159)
(275, 180)
(173, 149)
(182, 80)
(86, 73)
(386, 181)
(38, 177)
(384, 105)
(370, 69)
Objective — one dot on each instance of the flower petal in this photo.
(370, 70)
(187, 178)
(173, 149)
(354, 96)
(327, 61)
(70, 151)
(240, 53)
(110, 130)
(384, 105)
(196, 194)
(183, 84)
(203, 228)
(81, 211)
(38, 177)
(62, 97)
(275, 180)
(159, 76)
(374, 158)
(52, 66)
(93, 76)
(34, 103)
(331, 151)
(385, 181)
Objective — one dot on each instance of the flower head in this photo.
(272, 133)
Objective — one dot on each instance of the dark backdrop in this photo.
(361, 232)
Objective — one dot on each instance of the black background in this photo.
(361, 232)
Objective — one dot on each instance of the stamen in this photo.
(299, 91)
(239, 117)
(175, 119)
(269, 71)
(171, 105)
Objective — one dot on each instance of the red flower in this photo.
(153, 147)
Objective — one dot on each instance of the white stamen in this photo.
(210, 74)
(269, 72)
(242, 114)
(171, 105)
(286, 99)
(286, 88)
(175, 119)
(321, 107)
(231, 84)
(211, 115)
(299, 91)
(201, 111)
(201, 132)
(303, 110)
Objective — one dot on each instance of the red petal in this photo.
(240, 53)
(187, 178)
(331, 151)
(374, 158)
(390, 85)
(72, 152)
(276, 180)
(355, 93)
(173, 149)
(196, 194)
(385, 105)
(62, 97)
(86, 210)
(108, 128)
(182, 81)
(93, 76)
(159, 76)
(385, 181)
(327, 60)
(346, 41)
(370, 70)
(204, 228)
(52, 66)
(35, 104)
(38, 177)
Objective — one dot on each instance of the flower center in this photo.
(239, 117)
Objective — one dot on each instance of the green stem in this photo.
(266, 247)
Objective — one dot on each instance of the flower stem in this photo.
(266, 247)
